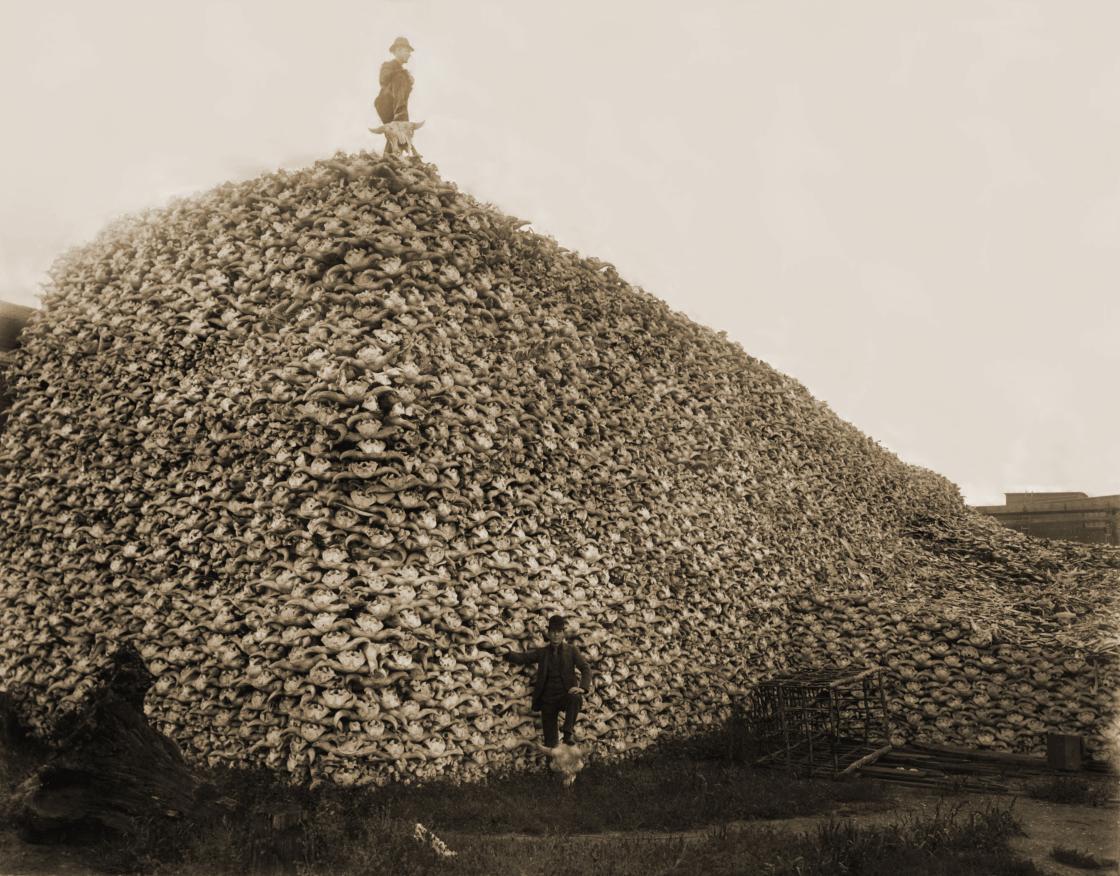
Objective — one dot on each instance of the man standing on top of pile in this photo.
(554, 688)
(396, 85)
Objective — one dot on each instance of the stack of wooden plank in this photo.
(962, 768)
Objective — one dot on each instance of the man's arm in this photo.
(523, 657)
(584, 670)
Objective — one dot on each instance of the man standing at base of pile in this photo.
(396, 85)
(555, 689)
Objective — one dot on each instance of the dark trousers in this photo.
(550, 712)
(384, 106)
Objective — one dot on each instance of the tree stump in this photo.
(108, 771)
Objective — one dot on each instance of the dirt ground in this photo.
(1086, 829)
(1092, 830)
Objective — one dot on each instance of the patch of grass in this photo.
(265, 823)
(269, 826)
(640, 795)
(1079, 859)
(1071, 790)
(335, 842)
(266, 826)
(567, 856)
(948, 843)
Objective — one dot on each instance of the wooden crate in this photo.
(819, 721)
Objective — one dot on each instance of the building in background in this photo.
(1070, 516)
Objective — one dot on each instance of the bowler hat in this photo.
(401, 42)
(556, 622)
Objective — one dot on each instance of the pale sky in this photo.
(912, 207)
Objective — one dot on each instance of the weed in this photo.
(949, 841)
(1072, 790)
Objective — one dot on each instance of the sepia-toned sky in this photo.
(911, 207)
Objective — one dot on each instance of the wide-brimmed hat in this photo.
(401, 42)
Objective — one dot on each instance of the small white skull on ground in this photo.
(566, 760)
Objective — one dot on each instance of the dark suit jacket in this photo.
(396, 85)
(570, 660)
